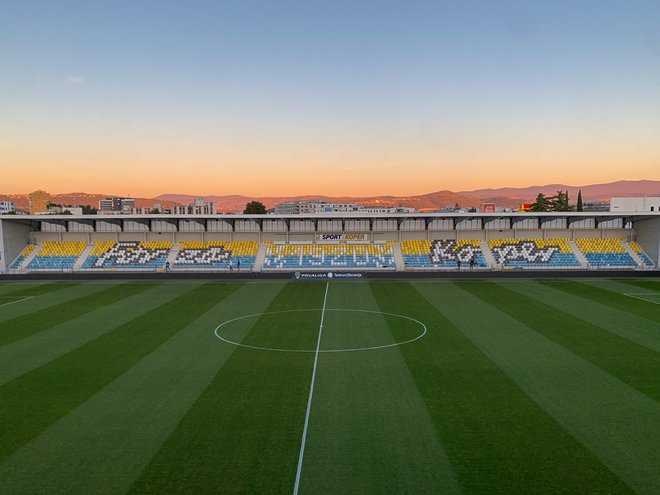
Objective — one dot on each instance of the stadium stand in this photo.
(646, 260)
(442, 253)
(369, 256)
(216, 255)
(21, 257)
(605, 252)
(417, 254)
(551, 253)
(57, 255)
(148, 255)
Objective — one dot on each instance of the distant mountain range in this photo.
(80, 198)
(431, 201)
(505, 197)
(590, 192)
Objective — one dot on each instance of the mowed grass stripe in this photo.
(7, 300)
(615, 421)
(38, 349)
(615, 321)
(35, 289)
(26, 325)
(497, 438)
(369, 430)
(64, 293)
(103, 445)
(632, 363)
(32, 402)
(621, 286)
(243, 433)
(647, 285)
(643, 309)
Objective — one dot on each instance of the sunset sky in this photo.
(326, 97)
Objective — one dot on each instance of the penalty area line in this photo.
(14, 302)
(311, 393)
(643, 297)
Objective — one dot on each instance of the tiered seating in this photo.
(552, 253)
(442, 253)
(216, 255)
(323, 256)
(646, 260)
(605, 252)
(148, 255)
(57, 255)
(21, 257)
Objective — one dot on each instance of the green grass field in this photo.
(507, 386)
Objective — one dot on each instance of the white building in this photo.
(314, 207)
(308, 207)
(75, 210)
(7, 207)
(116, 205)
(635, 204)
(383, 209)
(197, 207)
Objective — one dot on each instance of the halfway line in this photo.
(311, 393)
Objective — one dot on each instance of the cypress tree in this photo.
(579, 200)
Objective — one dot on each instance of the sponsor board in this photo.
(326, 275)
(330, 237)
(348, 238)
(355, 237)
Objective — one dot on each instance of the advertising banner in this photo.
(356, 238)
(347, 238)
(329, 238)
(326, 275)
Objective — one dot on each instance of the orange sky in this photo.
(273, 170)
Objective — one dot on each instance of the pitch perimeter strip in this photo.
(311, 393)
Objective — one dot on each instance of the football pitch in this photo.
(382, 387)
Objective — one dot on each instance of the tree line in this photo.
(558, 202)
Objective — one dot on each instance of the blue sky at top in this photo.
(418, 86)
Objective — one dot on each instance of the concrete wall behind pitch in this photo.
(648, 236)
(14, 237)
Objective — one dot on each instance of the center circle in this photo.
(422, 333)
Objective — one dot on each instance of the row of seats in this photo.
(442, 253)
(216, 255)
(57, 255)
(531, 253)
(553, 253)
(438, 253)
(646, 261)
(605, 252)
(128, 254)
(21, 257)
(324, 256)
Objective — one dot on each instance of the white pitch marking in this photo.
(14, 302)
(353, 349)
(641, 298)
(311, 393)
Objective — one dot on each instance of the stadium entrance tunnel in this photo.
(344, 330)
